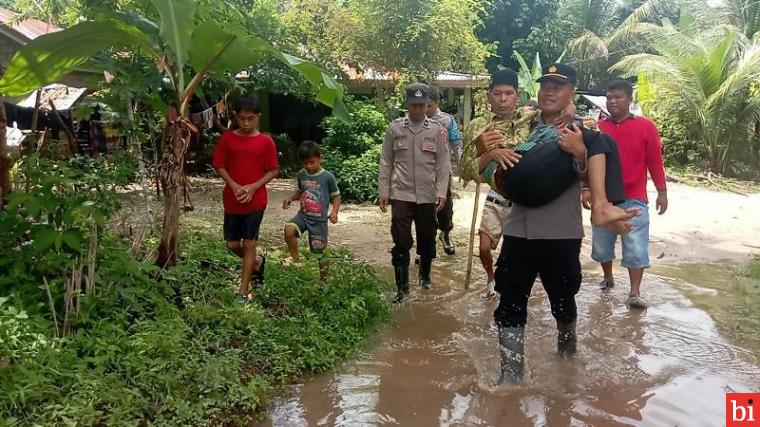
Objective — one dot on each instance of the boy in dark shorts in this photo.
(317, 189)
(247, 160)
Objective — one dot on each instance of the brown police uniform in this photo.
(415, 168)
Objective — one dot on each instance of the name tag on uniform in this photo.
(429, 146)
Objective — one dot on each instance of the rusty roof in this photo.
(63, 97)
(29, 28)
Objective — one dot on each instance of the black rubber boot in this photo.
(566, 339)
(425, 264)
(402, 282)
(448, 245)
(511, 345)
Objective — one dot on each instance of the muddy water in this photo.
(435, 364)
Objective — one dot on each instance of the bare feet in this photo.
(290, 261)
(606, 214)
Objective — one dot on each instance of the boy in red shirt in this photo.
(247, 160)
(640, 151)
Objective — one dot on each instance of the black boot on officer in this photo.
(425, 266)
(448, 245)
(511, 350)
(401, 273)
(566, 339)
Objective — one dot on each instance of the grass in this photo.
(140, 357)
(753, 269)
(698, 178)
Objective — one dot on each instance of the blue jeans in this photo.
(635, 243)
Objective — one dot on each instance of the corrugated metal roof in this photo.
(446, 78)
(63, 97)
(29, 28)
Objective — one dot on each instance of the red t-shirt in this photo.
(640, 151)
(246, 159)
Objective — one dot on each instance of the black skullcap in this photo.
(503, 77)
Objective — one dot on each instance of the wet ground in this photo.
(435, 364)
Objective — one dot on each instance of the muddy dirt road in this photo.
(435, 363)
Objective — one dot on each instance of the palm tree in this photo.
(709, 77)
(599, 43)
(744, 14)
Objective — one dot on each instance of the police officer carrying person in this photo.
(446, 215)
(546, 239)
(415, 169)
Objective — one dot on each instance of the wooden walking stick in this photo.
(472, 236)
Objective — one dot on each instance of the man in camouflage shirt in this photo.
(503, 127)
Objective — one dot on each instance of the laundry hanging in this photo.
(208, 118)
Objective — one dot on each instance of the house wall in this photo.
(8, 48)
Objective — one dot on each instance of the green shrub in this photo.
(136, 358)
(357, 176)
(366, 130)
(753, 268)
(19, 337)
(154, 347)
(287, 152)
(45, 229)
(352, 151)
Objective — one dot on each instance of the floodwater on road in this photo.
(435, 364)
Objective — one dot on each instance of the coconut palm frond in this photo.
(645, 36)
(711, 77)
(588, 46)
(652, 11)
(737, 86)
(632, 65)
(745, 14)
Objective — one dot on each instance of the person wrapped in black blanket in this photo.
(545, 171)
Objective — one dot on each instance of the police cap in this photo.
(560, 73)
(417, 93)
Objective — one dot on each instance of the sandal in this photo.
(490, 292)
(258, 276)
(606, 285)
(635, 301)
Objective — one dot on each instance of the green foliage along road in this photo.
(148, 346)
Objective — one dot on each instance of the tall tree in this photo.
(427, 36)
(580, 32)
(505, 21)
(324, 29)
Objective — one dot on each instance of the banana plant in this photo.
(527, 77)
(177, 43)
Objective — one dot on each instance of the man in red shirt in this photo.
(247, 160)
(640, 151)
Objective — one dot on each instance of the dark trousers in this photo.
(446, 215)
(520, 261)
(423, 217)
